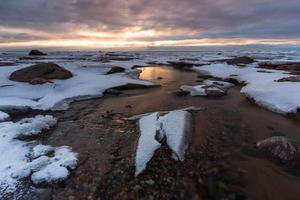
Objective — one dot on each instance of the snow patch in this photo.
(19, 159)
(173, 126)
(263, 88)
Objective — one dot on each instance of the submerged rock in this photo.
(36, 53)
(278, 147)
(40, 73)
(240, 60)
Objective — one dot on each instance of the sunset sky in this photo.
(147, 23)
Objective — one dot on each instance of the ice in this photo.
(173, 126)
(176, 126)
(88, 82)
(3, 116)
(27, 126)
(207, 85)
(20, 159)
(147, 144)
(263, 88)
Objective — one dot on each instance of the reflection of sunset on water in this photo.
(154, 73)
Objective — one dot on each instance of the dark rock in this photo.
(204, 76)
(115, 70)
(46, 71)
(112, 92)
(181, 93)
(283, 66)
(132, 86)
(36, 53)
(290, 79)
(278, 147)
(240, 60)
(232, 80)
(212, 91)
(181, 65)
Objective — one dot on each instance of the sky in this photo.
(147, 23)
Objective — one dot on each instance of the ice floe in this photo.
(172, 127)
(88, 82)
(262, 87)
(20, 159)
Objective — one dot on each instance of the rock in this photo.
(212, 91)
(35, 73)
(38, 81)
(113, 92)
(204, 76)
(150, 182)
(232, 81)
(36, 53)
(240, 60)
(181, 93)
(290, 79)
(181, 65)
(115, 70)
(278, 147)
(283, 66)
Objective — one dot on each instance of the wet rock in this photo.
(278, 147)
(36, 53)
(150, 182)
(36, 73)
(282, 66)
(115, 70)
(204, 76)
(212, 91)
(240, 60)
(231, 80)
(132, 86)
(39, 81)
(181, 65)
(112, 92)
(181, 93)
(290, 79)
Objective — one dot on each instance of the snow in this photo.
(263, 88)
(147, 144)
(88, 82)
(207, 85)
(3, 116)
(173, 126)
(19, 159)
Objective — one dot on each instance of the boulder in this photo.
(36, 53)
(240, 60)
(278, 147)
(115, 70)
(40, 73)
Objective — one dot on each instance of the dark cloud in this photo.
(206, 18)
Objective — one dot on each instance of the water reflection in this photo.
(155, 73)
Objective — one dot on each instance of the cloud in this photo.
(190, 19)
